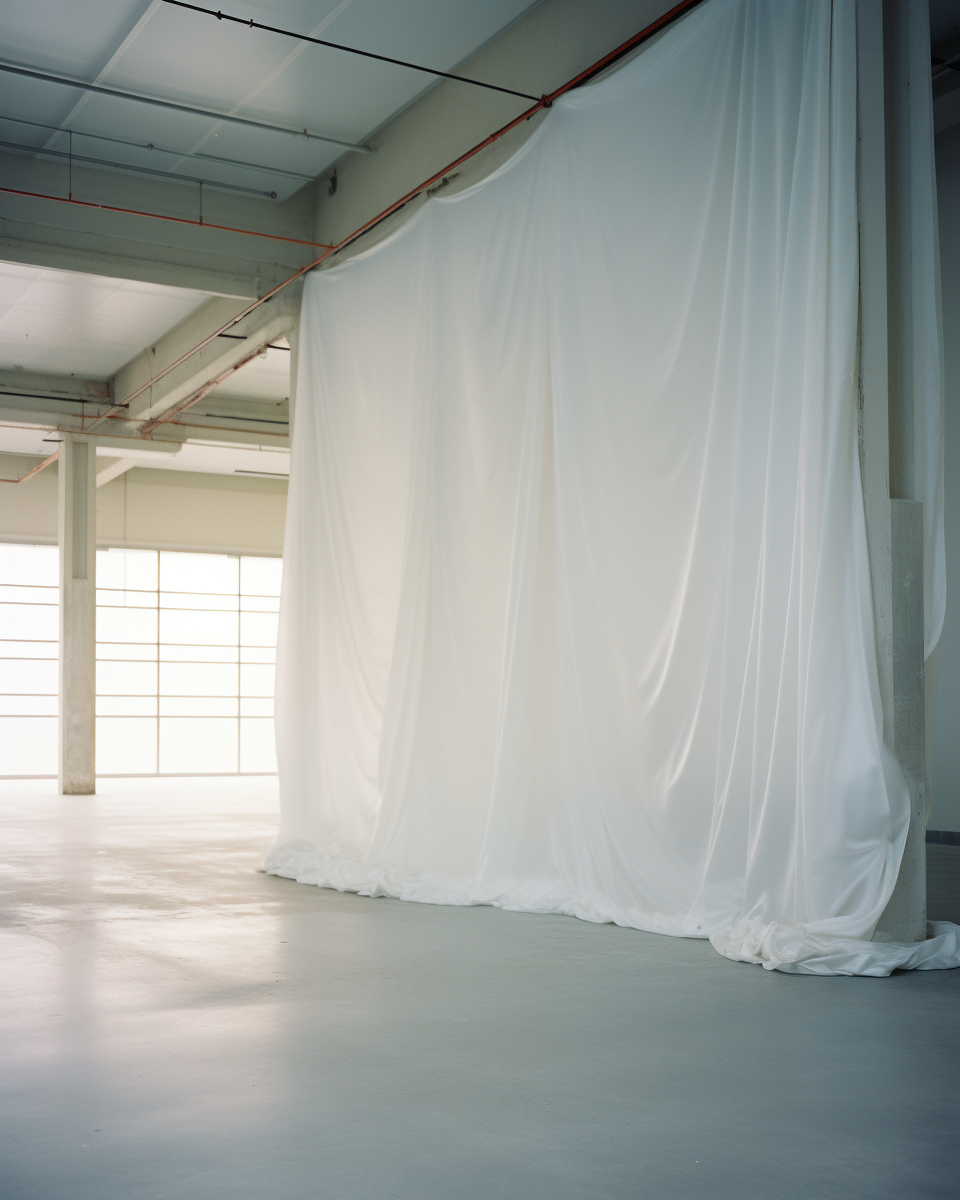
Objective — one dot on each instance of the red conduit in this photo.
(677, 11)
(39, 467)
(136, 212)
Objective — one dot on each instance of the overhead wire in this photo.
(303, 37)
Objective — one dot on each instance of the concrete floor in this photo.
(176, 1025)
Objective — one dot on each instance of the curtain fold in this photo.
(577, 613)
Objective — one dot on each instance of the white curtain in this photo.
(576, 612)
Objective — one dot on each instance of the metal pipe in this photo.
(36, 470)
(104, 162)
(136, 212)
(214, 158)
(84, 85)
(175, 410)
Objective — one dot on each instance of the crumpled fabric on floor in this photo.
(576, 609)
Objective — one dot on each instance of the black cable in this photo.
(302, 37)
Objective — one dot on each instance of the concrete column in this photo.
(293, 337)
(77, 531)
(894, 532)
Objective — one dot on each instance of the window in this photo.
(29, 649)
(186, 645)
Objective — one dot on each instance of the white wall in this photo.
(946, 755)
(155, 508)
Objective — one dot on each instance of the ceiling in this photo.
(56, 322)
(65, 323)
(61, 323)
(152, 47)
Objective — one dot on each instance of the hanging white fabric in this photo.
(576, 613)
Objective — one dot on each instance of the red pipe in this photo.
(136, 212)
(39, 467)
(647, 32)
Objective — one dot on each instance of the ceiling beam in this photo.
(272, 320)
(57, 233)
(114, 467)
(36, 385)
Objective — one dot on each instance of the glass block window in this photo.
(186, 645)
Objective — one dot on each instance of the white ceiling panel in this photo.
(65, 323)
(187, 57)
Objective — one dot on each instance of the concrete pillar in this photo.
(77, 532)
(894, 531)
(293, 337)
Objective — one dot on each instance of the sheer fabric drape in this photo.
(576, 612)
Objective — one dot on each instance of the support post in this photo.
(77, 533)
(894, 530)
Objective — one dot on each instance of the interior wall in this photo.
(158, 508)
(945, 813)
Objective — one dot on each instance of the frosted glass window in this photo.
(134, 569)
(172, 632)
(28, 706)
(260, 576)
(21, 593)
(33, 566)
(29, 745)
(256, 681)
(198, 706)
(126, 706)
(126, 679)
(126, 624)
(29, 676)
(199, 628)
(199, 600)
(257, 748)
(258, 654)
(127, 599)
(199, 745)
(39, 621)
(209, 573)
(258, 629)
(260, 604)
(130, 651)
(126, 746)
(29, 648)
(219, 654)
(198, 679)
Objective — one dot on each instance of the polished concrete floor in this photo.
(175, 1025)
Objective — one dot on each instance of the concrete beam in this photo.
(37, 385)
(549, 45)
(272, 320)
(115, 467)
(123, 245)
